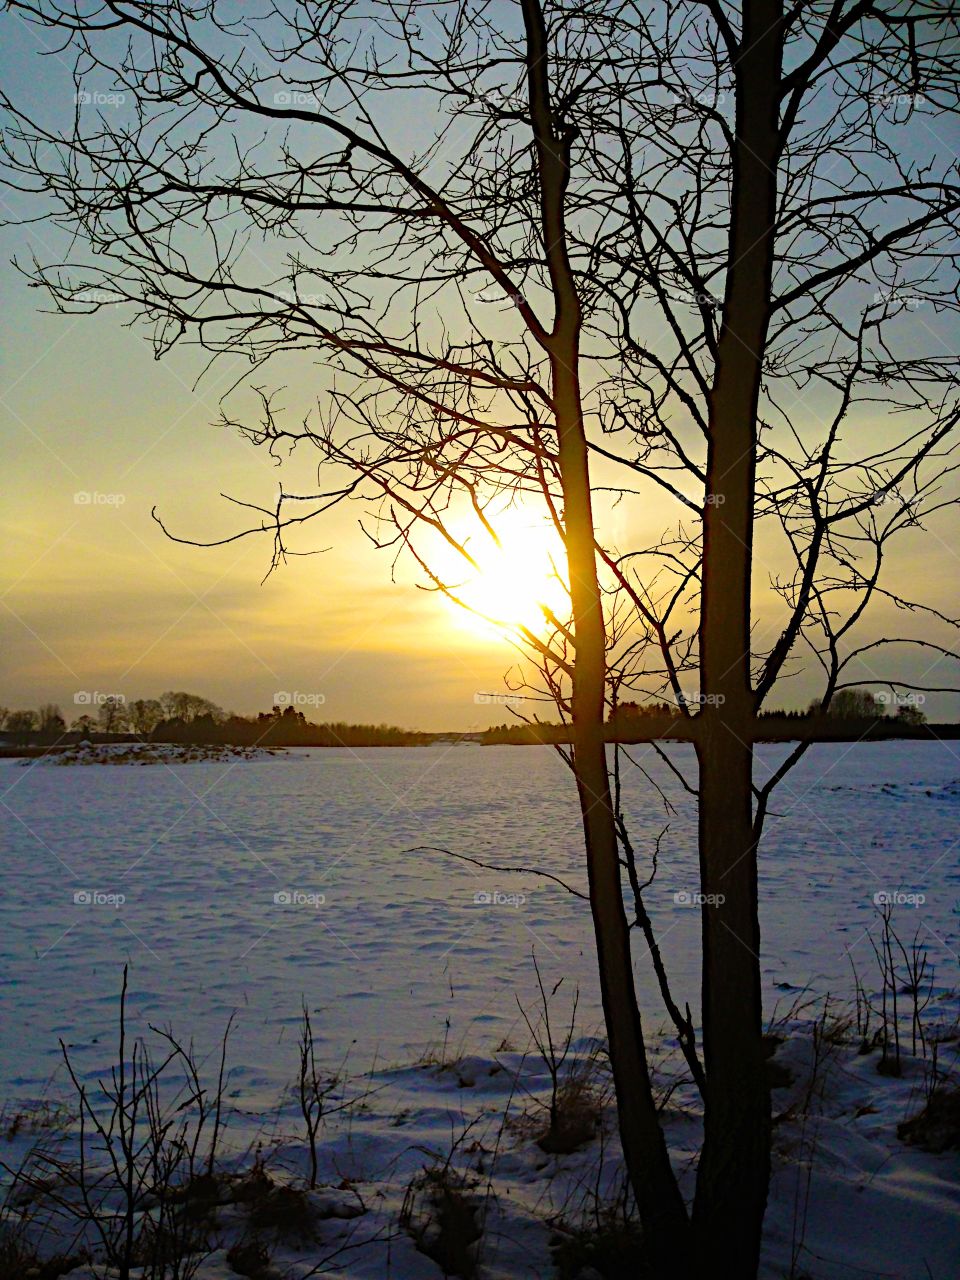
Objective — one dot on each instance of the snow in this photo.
(141, 753)
(234, 891)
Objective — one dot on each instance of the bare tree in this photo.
(187, 706)
(21, 725)
(144, 714)
(84, 725)
(112, 714)
(50, 718)
(666, 258)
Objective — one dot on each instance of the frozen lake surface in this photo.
(240, 886)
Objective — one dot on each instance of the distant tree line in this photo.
(850, 710)
(854, 705)
(524, 734)
(176, 716)
(189, 718)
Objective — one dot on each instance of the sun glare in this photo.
(512, 581)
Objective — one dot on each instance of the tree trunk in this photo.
(663, 1213)
(734, 1170)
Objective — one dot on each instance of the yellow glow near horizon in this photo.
(512, 581)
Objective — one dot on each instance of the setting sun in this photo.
(518, 574)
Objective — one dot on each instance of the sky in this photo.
(96, 600)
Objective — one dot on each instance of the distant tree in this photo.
(4, 713)
(85, 725)
(188, 706)
(205, 728)
(851, 704)
(632, 709)
(51, 720)
(144, 714)
(910, 714)
(21, 724)
(112, 714)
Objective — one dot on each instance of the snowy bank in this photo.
(444, 1167)
(139, 753)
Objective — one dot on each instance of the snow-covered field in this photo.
(237, 890)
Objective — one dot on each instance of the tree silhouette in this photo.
(112, 714)
(21, 725)
(144, 714)
(50, 719)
